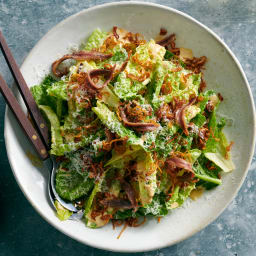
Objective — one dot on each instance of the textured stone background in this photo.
(24, 232)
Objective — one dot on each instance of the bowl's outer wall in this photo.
(222, 73)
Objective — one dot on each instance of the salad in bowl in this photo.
(134, 130)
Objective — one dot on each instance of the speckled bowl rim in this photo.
(187, 235)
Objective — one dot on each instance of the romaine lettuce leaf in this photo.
(61, 145)
(58, 90)
(216, 145)
(110, 119)
(97, 221)
(68, 146)
(89, 201)
(125, 214)
(168, 55)
(190, 112)
(89, 221)
(62, 213)
(120, 54)
(109, 98)
(75, 122)
(145, 168)
(165, 182)
(179, 196)
(147, 182)
(150, 51)
(157, 207)
(154, 88)
(125, 88)
(193, 155)
(71, 185)
(72, 177)
(95, 40)
(165, 140)
(204, 174)
(179, 89)
(199, 120)
(40, 94)
(201, 172)
(56, 138)
(205, 96)
(225, 164)
(118, 160)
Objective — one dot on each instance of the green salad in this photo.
(133, 128)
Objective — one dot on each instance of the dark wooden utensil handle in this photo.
(23, 120)
(27, 96)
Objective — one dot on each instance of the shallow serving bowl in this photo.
(223, 73)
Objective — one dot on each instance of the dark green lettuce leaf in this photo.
(199, 120)
(71, 185)
(168, 55)
(72, 178)
(40, 94)
(179, 196)
(201, 170)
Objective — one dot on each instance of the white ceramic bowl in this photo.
(223, 73)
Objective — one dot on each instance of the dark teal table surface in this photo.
(24, 232)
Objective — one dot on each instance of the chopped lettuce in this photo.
(216, 146)
(179, 196)
(156, 84)
(181, 89)
(40, 94)
(56, 138)
(166, 134)
(196, 158)
(120, 55)
(125, 88)
(157, 206)
(146, 170)
(204, 174)
(58, 90)
(225, 164)
(110, 119)
(150, 51)
(199, 120)
(72, 177)
(61, 212)
(109, 98)
(89, 205)
(71, 185)
(119, 160)
(95, 40)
